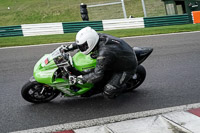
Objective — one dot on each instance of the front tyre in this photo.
(35, 92)
(137, 79)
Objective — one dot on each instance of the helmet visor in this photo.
(83, 47)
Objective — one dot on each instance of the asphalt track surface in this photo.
(173, 72)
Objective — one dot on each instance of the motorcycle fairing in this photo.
(64, 86)
(43, 73)
(83, 62)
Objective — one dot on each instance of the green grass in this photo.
(48, 11)
(34, 40)
(155, 30)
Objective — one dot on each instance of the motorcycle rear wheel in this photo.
(132, 84)
(35, 92)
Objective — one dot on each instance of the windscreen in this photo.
(58, 57)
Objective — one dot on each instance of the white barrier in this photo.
(123, 23)
(57, 28)
(42, 29)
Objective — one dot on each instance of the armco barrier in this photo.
(72, 27)
(76, 26)
(42, 29)
(166, 20)
(123, 23)
(7, 31)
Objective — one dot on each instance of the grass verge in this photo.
(70, 37)
(17, 12)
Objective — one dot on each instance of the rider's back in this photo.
(120, 55)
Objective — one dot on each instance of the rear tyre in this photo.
(137, 80)
(35, 92)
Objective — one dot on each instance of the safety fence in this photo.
(72, 27)
(42, 29)
(7, 31)
(123, 23)
(76, 26)
(166, 20)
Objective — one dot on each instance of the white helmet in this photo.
(86, 39)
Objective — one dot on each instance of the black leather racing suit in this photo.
(114, 55)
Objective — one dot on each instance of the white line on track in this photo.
(106, 120)
(122, 38)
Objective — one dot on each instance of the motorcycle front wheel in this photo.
(137, 80)
(35, 92)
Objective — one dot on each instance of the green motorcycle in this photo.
(51, 76)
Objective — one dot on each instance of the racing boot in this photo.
(111, 92)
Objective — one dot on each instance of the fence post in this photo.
(124, 10)
(144, 8)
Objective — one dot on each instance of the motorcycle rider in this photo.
(112, 54)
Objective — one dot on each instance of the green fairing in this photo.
(83, 62)
(63, 85)
(43, 73)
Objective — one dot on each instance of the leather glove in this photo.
(72, 80)
(70, 47)
(80, 80)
